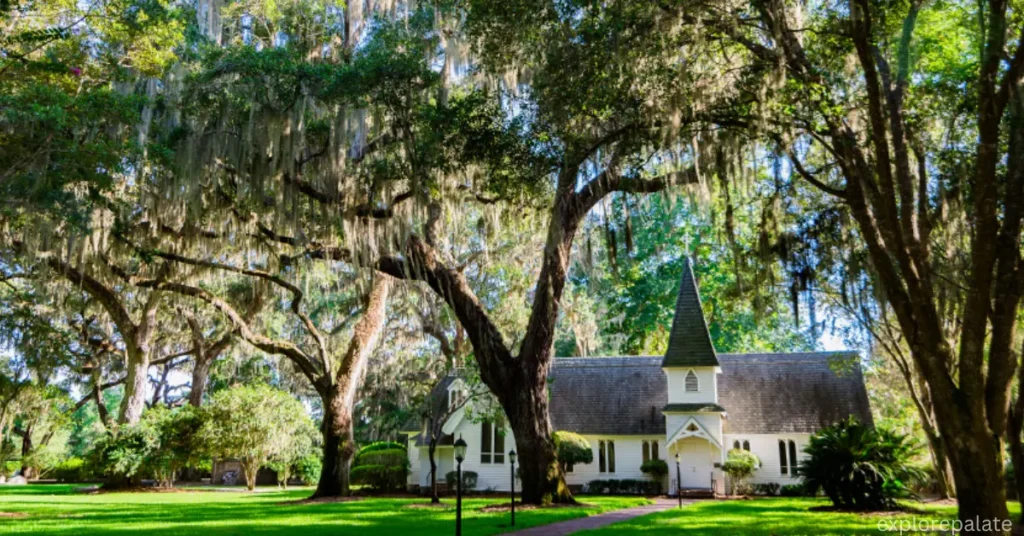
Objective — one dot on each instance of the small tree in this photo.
(740, 465)
(572, 449)
(294, 452)
(122, 453)
(178, 442)
(656, 469)
(859, 467)
(253, 424)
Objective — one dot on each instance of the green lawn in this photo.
(769, 516)
(56, 509)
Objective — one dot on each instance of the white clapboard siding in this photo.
(766, 448)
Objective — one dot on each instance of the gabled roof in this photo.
(763, 393)
(689, 343)
(791, 393)
(438, 403)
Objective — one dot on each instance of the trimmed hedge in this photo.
(769, 489)
(469, 479)
(380, 445)
(624, 487)
(379, 477)
(794, 490)
(655, 468)
(383, 466)
(390, 457)
(73, 470)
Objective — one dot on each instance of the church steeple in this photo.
(689, 343)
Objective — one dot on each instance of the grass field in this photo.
(771, 516)
(57, 509)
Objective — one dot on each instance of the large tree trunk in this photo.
(27, 471)
(526, 406)
(134, 401)
(200, 375)
(339, 448)
(340, 396)
(976, 458)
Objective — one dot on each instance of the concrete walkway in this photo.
(595, 522)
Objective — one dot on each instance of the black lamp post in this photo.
(679, 482)
(460, 455)
(512, 458)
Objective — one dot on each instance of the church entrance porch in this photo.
(697, 452)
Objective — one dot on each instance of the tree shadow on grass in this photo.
(269, 513)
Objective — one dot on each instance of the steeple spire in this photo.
(689, 343)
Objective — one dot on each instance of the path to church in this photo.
(595, 522)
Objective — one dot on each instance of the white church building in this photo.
(692, 401)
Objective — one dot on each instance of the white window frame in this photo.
(696, 379)
(608, 461)
(497, 456)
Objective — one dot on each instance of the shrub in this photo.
(380, 445)
(572, 449)
(769, 489)
(389, 457)
(469, 479)
(740, 465)
(178, 444)
(379, 477)
(623, 487)
(308, 469)
(120, 454)
(73, 470)
(859, 467)
(10, 467)
(383, 466)
(656, 469)
(794, 490)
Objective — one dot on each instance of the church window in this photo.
(782, 457)
(746, 446)
(492, 443)
(606, 456)
(792, 456)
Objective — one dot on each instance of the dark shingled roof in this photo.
(689, 343)
(762, 393)
(608, 395)
(795, 393)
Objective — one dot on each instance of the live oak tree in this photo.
(320, 342)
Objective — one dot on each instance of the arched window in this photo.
(746, 446)
(692, 385)
(647, 452)
(792, 456)
(736, 444)
(654, 450)
(782, 458)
